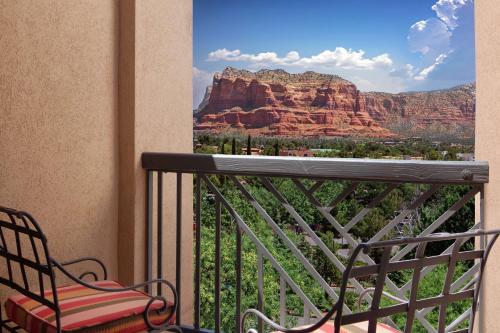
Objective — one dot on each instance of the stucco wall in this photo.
(156, 106)
(85, 88)
(488, 143)
(58, 128)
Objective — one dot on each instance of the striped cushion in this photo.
(86, 310)
(354, 328)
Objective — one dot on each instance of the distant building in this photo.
(253, 151)
(412, 158)
(324, 150)
(465, 156)
(301, 152)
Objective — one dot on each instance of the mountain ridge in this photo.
(275, 102)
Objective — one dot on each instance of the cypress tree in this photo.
(222, 148)
(277, 149)
(222, 179)
(249, 145)
(233, 147)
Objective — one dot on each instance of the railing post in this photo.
(217, 264)
(178, 265)
(479, 323)
(260, 288)
(149, 228)
(238, 275)
(159, 231)
(307, 315)
(197, 254)
(282, 301)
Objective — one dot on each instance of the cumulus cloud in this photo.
(446, 42)
(422, 75)
(406, 72)
(340, 58)
(447, 11)
(347, 59)
(430, 36)
(236, 55)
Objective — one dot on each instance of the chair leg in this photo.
(1, 318)
(4, 327)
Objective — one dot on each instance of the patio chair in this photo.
(367, 321)
(40, 306)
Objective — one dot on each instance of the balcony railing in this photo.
(234, 194)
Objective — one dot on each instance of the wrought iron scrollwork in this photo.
(88, 273)
(165, 324)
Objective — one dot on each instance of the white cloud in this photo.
(406, 72)
(429, 37)
(264, 57)
(339, 58)
(447, 10)
(201, 79)
(293, 55)
(347, 59)
(422, 75)
(446, 43)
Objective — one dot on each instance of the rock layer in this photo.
(274, 102)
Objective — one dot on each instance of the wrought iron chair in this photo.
(41, 306)
(367, 321)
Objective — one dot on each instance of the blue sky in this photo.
(380, 45)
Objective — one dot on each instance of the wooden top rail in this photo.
(397, 171)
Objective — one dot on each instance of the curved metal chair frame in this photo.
(413, 304)
(23, 226)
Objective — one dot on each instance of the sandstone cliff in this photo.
(274, 102)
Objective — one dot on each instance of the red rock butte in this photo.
(274, 102)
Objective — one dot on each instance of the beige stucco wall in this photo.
(488, 143)
(58, 129)
(155, 116)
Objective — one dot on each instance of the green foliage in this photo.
(206, 150)
(461, 221)
(344, 211)
(249, 260)
(432, 286)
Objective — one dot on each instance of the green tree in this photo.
(249, 145)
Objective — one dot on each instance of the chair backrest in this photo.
(420, 264)
(25, 258)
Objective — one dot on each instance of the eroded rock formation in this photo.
(274, 102)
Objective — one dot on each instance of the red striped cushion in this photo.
(86, 310)
(354, 328)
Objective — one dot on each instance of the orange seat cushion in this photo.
(354, 328)
(86, 310)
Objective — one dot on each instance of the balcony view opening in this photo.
(329, 79)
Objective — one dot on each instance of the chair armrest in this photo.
(84, 259)
(385, 293)
(164, 326)
(268, 321)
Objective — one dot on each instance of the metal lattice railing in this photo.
(309, 176)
